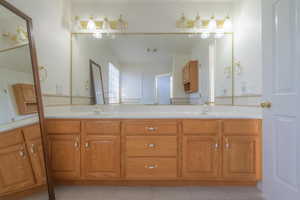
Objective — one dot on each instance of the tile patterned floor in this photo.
(154, 193)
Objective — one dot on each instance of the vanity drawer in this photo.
(11, 138)
(150, 128)
(202, 127)
(63, 126)
(151, 168)
(151, 145)
(242, 127)
(102, 127)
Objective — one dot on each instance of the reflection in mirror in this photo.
(154, 69)
(97, 83)
(22, 167)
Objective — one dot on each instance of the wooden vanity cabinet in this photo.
(242, 150)
(201, 149)
(190, 77)
(101, 154)
(15, 169)
(64, 148)
(34, 146)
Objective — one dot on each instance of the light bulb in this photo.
(91, 26)
(212, 24)
(182, 21)
(205, 35)
(106, 25)
(227, 23)
(198, 22)
(98, 35)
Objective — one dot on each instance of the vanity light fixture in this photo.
(198, 22)
(121, 24)
(212, 25)
(91, 26)
(227, 23)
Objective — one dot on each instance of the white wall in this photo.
(248, 47)
(51, 33)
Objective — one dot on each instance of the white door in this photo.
(281, 44)
(163, 89)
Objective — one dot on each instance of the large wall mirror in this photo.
(168, 69)
(23, 172)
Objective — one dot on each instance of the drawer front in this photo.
(151, 128)
(151, 145)
(63, 126)
(32, 132)
(10, 138)
(242, 127)
(151, 168)
(202, 127)
(101, 127)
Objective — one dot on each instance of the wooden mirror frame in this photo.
(36, 78)
(92, 79)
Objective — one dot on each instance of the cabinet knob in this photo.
(227, 145)
(151, 145)
(216, 146)
(151, 166)
(151, 129)
(76, 144)
(22, 154)
(87, 145)
(33, 149)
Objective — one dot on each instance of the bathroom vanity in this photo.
(158, 151)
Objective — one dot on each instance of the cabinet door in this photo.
(15, 169)
(64, 152)
(241, 158)
(101, 157)
(29, 93)
(201, 157)
(36, 153)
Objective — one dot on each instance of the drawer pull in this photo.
(151, 145)
(227, 146)
(216, 146)
(22, 153)
(151, 166)
(76, 144)
(87, 145)
(33, 149)
(151, 129)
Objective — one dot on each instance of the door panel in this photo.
(101, 157)
(281, 49)
(36, 153)
(201, 157)
(240, 158)
(15, 169)
(64, 152)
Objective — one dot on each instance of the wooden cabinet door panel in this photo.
(15, 169)
(101, 157)
(64, 152)
(201, 157)
(36, 153)
(240, 158)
